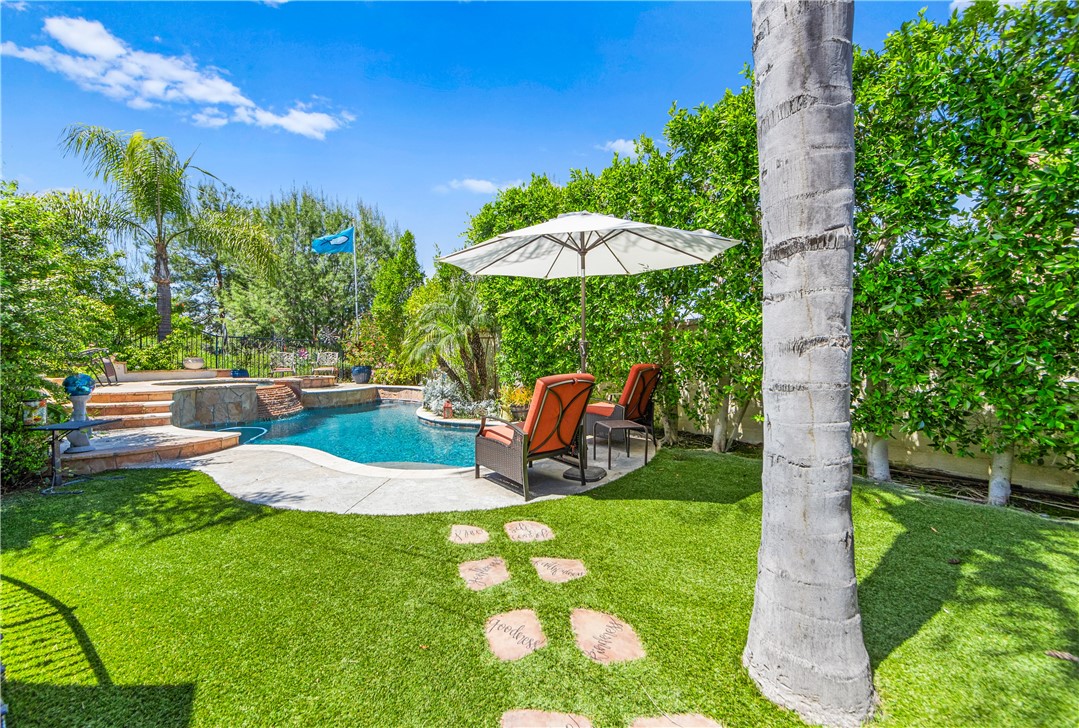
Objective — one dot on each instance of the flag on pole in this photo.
(342, 242)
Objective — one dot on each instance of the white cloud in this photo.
(623, 147)
(99, 61)
(16, 5)
(476, 186)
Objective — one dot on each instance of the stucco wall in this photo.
(916, 451)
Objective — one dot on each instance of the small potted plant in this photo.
(516, 400)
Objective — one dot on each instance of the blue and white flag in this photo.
(342, 242)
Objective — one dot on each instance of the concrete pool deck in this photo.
(300, 478)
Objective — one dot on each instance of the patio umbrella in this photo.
(587, 243)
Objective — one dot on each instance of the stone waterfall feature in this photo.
(277, 401)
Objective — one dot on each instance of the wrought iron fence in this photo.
(250, 353)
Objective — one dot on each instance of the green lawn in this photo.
(155, 599)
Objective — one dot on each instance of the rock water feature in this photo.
(514, 635)
(277, 401)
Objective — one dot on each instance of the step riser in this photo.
(135, 408)
(136, 421)
(101, 397)
(91, 465)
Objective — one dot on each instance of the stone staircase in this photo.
(277, 401)
(133, 409)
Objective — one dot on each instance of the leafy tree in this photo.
(151, 200)
(311, 295)
(805, 649)
(396, 278)
(57, 280)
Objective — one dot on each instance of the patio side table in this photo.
(60, 430)
(611, 426)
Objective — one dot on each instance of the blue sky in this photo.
(423, 109)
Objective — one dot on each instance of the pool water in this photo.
(367, 433)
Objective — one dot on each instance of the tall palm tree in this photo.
(805, 649)
(458, 332)
(151, 200)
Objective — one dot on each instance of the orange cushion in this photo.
(640, 384)
(603, 409)
(557, 407)
(499, 433)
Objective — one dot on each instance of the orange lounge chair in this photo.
(634, 405)
(552, 428)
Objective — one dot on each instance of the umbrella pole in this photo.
(584, 343)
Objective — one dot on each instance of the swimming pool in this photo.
(367, 433)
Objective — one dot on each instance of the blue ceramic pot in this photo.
(361, 374)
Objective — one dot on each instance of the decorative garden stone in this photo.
(468, 534)
(479, 575)
(541, 719)
(528, 531)
(558, 571)
(605, 638)
(516, 634)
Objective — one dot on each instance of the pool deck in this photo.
(300, 478)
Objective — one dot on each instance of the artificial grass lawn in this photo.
(156, 599)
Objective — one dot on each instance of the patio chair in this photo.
(634, 405)
(552, 428)
(326, 362)
(282, 362)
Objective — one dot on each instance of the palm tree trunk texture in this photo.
(163, 278)
(805, 649)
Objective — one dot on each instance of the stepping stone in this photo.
(540, 719)
(528, 531)
(684, 720)
(559, 571)
(605, 638)
(516, 634)
(479, 575)
(468, 534)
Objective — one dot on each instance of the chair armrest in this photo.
(484, 418)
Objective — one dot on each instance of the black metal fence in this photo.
(250, 353)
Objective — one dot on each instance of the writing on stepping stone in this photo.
(558, 571)
(516, 634)
(541, 719)
(468, 534)
(605, 638)
(528, 531)
(683, 720)
(482, 574)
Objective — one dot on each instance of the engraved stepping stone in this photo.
(468, 534)
(559, 571)
(479, 575)
(528, 531)
(541, 719)
(683, 720)
(516, 634)
(605, 638)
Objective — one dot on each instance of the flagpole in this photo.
(355, 275)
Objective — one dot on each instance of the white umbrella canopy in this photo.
(587, 243)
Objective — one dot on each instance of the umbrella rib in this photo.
(671, 247)
(502, 257)
(553, 262)
(616, 258)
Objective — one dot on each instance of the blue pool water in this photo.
(368, 433)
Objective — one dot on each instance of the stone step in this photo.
(112, 409)
(122, 448)
(152, 419)
(102, 395)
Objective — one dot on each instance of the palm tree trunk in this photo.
(163, 278)
(805, 649)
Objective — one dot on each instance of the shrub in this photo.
(438, 389)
